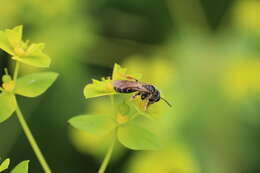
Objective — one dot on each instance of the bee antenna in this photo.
(166, 102)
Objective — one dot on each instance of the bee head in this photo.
(156, 97)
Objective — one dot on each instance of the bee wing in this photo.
(123, 84)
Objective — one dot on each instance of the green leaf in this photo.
(7, 105)
(14, 35)
(5, 44)
(120, 73)
(99, 88)
(4, 165)
(21, 167)
(137, 138)
(10, 39)
(35, 84)
(95, 124)
(34, 56)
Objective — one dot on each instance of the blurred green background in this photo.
(204, 56)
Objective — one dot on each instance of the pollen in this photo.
(121, 119)
(9, 86)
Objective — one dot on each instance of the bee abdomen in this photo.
(124, 90)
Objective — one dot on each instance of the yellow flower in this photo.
(9, 86)
(174, 159)
(105, 87)
(246, 15)
(12, 43)
(242, 78)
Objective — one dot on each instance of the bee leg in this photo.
(144, 96)
(134, 96)
(147, 103)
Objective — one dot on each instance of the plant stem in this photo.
(108, 156)
(31, 140)
(27, 130)
(111, 147)
(17, 66)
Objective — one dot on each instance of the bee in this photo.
(147, 92)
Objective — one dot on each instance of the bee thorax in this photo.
(150, 88)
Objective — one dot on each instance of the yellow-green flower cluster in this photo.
(30, 85)
(123, 121)
(31, 54)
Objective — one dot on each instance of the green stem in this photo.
(17, 66)
(107, 157)
(27, 130)
(31, 140)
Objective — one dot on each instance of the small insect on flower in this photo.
(147, 92)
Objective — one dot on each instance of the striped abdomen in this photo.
(124, 90)
(125, 86)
